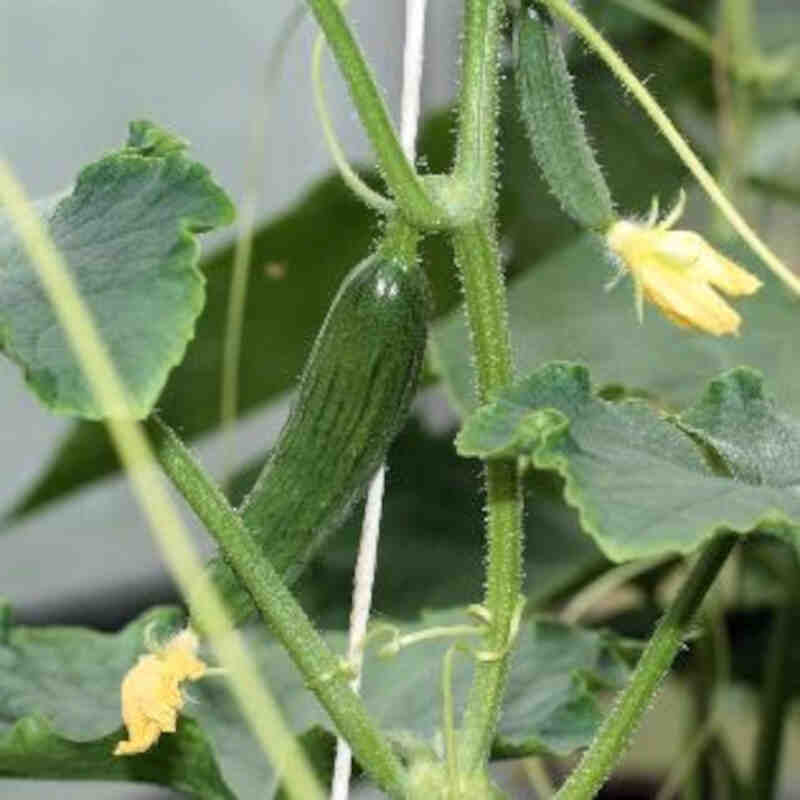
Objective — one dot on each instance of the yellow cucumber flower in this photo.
(151, 691)
(676, 270)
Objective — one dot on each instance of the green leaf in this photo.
(641, 486)
(59, 703)
(60, 715)
(758, 443)
(559, 677)
(561, 311)
(127, 233)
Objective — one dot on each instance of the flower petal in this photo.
(676, 270)
(691, 303)
(692, 250)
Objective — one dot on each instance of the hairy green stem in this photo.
(322, 671)
(399, 173)
(448, 720)
(775, 698)
(478, 260)
(614, 734)
(478, 102)
(503, 587)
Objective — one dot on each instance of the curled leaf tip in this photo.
(151, 691)
(679, 271)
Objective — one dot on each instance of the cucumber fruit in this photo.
(553, 121)
(353, 399)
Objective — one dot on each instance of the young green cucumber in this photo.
(353, 399)
(553, 121)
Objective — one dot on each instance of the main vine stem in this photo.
(478, 259)
(612, 738)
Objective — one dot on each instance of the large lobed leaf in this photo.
(641, 484)
(758, 443)
(59, 698)
(126, 231)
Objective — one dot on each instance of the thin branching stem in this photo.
(351, 178)
(614, 735)
(398, 171)
(240, 270)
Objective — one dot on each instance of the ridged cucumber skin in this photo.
(353, 398)
(553, 121)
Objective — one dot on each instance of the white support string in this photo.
(368, 548)
(363, 581)
(412, 75)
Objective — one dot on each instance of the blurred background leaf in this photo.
(71, 677)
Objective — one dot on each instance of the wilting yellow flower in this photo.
(676, 270)
(151, 691)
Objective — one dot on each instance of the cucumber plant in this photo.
(670, 468)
